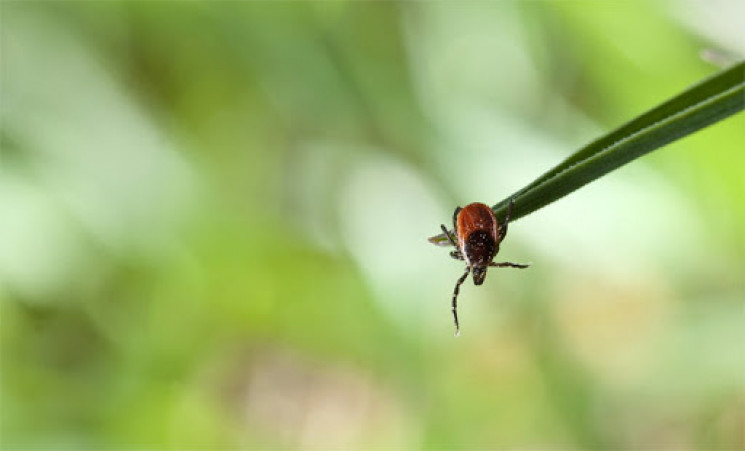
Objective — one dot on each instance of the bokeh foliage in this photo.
(213, 223)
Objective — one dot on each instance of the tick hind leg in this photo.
(456, 253)
(455, 299)
(448, 235)
(455, 219)
(503, 229)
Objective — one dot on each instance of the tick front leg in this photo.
(455, 299)
(508, 264)
(457, 255)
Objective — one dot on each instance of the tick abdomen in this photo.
(476, 216)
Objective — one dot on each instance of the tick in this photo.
(476, 236)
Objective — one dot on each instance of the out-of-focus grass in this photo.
(213, 222)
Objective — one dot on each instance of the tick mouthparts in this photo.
(479, 274)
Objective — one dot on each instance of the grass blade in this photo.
(710, 101)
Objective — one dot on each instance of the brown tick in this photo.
(476, 237)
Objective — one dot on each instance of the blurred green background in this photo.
(213, 223)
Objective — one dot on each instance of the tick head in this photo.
(479, 273)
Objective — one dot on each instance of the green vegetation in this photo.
(212, 218)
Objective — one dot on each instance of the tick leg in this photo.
(457, 255)
(503, 229)
(447, 234)
(455, 299)
(455, 219)
(508, 264)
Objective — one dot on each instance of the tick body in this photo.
(476, 237)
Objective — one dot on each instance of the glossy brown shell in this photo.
(477, 230)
